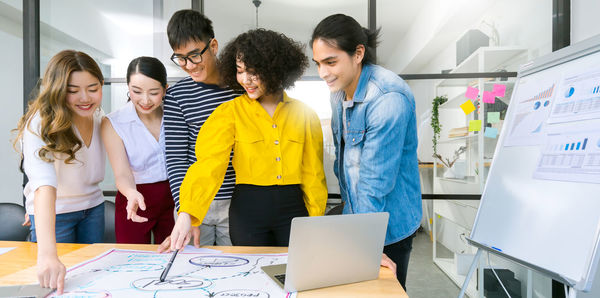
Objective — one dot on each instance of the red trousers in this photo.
(159, 211)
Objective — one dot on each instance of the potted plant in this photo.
(435, 121)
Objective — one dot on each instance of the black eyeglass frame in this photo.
(175, 58)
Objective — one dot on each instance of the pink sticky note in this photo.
(471, 93)
(488, 97)
(499, 90)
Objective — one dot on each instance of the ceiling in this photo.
(398, 20)
(298, 18)
(291, 17)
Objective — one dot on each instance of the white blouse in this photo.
(77, 184)
(146, 155)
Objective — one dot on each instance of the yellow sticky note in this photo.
(467, 107)
(475, 125)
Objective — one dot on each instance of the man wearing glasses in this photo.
(188, 104)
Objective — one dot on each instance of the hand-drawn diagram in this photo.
(128, 273)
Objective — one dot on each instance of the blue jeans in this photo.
(85, 226)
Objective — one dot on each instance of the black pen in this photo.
(163, 275)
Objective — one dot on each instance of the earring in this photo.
(128, 98)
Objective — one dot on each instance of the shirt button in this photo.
(274, 125)
(353, 139)
(279, 177)
(276, 142)
(278, 158)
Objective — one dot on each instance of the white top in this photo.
(146, 156)
(77, 183)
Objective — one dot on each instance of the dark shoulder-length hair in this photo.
(275, 58)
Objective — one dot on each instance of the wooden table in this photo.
(18, 267)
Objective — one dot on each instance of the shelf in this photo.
(449, 268)
(456, 101)
(463, 213)
(466, 180)
(494, 57)
(451, 140)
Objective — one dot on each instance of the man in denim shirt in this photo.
(374, 132)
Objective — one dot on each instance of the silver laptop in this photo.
(331, 250)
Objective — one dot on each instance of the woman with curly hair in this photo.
(277, 147)
(64, 160)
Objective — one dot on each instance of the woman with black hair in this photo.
(277, 147)
(134, 139)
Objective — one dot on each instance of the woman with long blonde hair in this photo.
(63, 158)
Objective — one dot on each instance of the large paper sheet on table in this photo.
(129, 273)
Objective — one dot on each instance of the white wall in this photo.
(11, 84)
(585, 20)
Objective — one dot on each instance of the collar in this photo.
(130, 114)
(247, 99)
(363, 80)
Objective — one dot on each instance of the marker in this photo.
(496, 248)
(163, 275)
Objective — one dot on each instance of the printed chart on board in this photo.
(129, 273)
(534, 99)
(578, 100)
(572, 152)
(571, 156)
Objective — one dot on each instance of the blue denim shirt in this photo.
(376, 160)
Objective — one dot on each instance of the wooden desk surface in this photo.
(18, 267)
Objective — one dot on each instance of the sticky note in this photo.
(475, 125)
(491, 132)
(471, 92)
(493, 117)
(499, 90)
(467, 107)
(488, 97)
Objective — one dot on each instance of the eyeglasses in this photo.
(195, 57)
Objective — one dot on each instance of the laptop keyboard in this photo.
(280, 278)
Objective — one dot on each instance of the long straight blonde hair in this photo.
(51, 104)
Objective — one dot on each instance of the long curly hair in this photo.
(51, 104)
(275, 58)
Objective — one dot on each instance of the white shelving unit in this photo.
(478, 154)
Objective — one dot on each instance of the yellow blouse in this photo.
(280, 150)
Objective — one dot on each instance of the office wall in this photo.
(584, 19)
(11, 84)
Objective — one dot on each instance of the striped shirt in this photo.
(187, 106)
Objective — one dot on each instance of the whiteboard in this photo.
(542, 217)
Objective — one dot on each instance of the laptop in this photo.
(331, 250)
